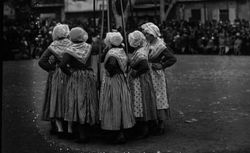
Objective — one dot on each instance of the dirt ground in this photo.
(210, 103)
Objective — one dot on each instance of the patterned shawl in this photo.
(80, 51)
(156, 48)
(120, 55)
(140, 54)
(58, 47)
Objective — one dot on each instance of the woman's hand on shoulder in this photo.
(133, 73)
(156, 66)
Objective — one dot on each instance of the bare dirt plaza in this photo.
(210, 101)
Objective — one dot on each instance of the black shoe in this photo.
(160, 131)
(52, 132)
(143, 135)
(120, 139)
(61, 135)
(82, 140)
(70, 136)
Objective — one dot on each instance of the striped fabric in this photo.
(115, 104)
(46, 105)
(57, 99)
(82, 101)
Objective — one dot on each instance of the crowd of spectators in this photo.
(221, 38)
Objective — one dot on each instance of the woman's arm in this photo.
(63, 65)
(103, 55)
(168, 59)
(45, 63)
(112, 66)
(140, 68)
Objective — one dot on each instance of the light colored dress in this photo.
(141, 88)
(159, 78)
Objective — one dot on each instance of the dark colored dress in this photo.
(141, 86)
(81, 91)
(54, 102)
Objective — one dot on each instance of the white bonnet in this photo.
(136, 38)
(113, 38)
(151, 29)
(60, 31)
(78, 34)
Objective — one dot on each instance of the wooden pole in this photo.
(108, 13)
(94, 14)
(131, 9)
(124, 28)
(100, 50)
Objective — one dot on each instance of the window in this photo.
(196, 15)
(224, 15)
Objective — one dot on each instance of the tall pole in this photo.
(94, 15)
(131, 10)
(227, 11)
(155, 9)
(124, 28)
(162, 10)
(100, 50)
(108, 13)
(205, 13)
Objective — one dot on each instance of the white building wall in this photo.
(83, 6)
(212, 9)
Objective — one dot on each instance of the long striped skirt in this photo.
(115, 104)
(82, 98)
(143, 97)
(57, 99)
(46, 104)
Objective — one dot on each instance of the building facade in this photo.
(190, 10)
(49, 9)
(219, 10)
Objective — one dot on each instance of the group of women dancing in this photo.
(133, 93)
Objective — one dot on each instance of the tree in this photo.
(164, 14)
(116, 8)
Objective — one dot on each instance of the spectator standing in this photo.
(237, 44)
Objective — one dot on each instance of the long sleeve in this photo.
(167, 58)
(112, 66)
(63, 65)
(44, 61)
(96, 47)
(141, 67)
(103, 55)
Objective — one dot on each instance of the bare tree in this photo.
(164, 14)
(116, 8)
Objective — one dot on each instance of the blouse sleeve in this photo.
(96, 46)
(44, 61)
(141, 67)
(104, 53)
(167, 58)
(112, 66)
(63, 65)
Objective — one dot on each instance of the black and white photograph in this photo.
(125, 76)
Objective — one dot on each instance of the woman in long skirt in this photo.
(53, 108)
(160, 57)
(116, 113)
(141, 85)
(81, 91)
